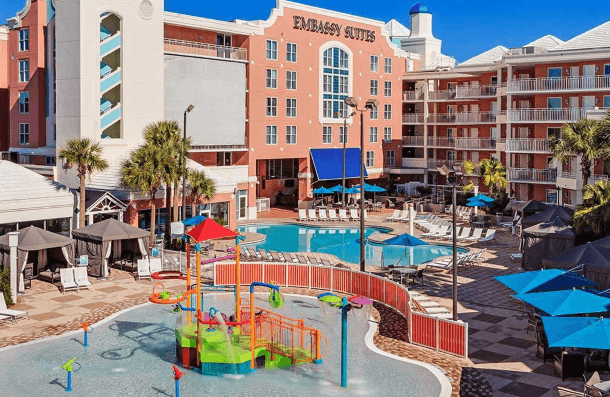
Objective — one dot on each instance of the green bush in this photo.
(5, 286)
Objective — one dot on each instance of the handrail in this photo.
(568, 83)
(205, 49)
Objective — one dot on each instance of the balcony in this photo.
(205, 49)
(412, 96)
(110, 115)
(412, 141)
(433, 164)
(110, 44)
(463, 118)
(475, 143)
(441, 95)
(476, 91)
(413, 162)
(525, 145)
(441, 142)
(110, 80)
(531, 175)
(412, 118)
(560, 115)
(554, 84)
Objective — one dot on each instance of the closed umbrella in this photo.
(577, 332)
(544, 280)
(567, 302)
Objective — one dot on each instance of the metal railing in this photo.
(463, 117)
(413, 141)
(441, 142)
(263, 204)
(560, 115)
(596, 178)
(531, 175)
(475, 143)
(416, 95)
(575, 83)
(441, 95)
(412, 118)
(528, 145)
(476, 91)
(568, 174)
(205, 49)
(434, 163)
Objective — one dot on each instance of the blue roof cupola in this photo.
(420, 8)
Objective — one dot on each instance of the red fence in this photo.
(425, 330)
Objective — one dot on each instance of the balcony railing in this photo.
(596, 178)
(205, 49)
(441, 142)
(475, 143)
(568, 174)
(413, 162)
(576, 83)
(412, 118)
(433, 164)
(560, 115)
(531, 175)
(528, 145)
(441, 95)
(476, 92)
(413, 141)
(462, 118)
(416, 95)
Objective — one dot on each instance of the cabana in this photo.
(544, 240)
(105, 241)
(46, 251)
(548, 215)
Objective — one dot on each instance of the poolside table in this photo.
(404, 272)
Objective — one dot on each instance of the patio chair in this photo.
(322, 213)
(332, 215)
(464, 235)
(80, 277)
(432, 231)
(311, 215)
(67, 280)
(302, 215)
(419, 275)
(490, 235)
(276, 257)
(302, 260)
(442, 231)
(449, 235)
(597, 360)
(143, 269)
(478, 257)
(353, 214)
(12, 314)
(155, 265)
(265, 255)
(516, 256)
(406, 220)
(476, 235)
(404, 215)
(395, 215)
(314, 261)
(569, 364)
(343, 215)
(542, 349)
(290, 257)
(254, 254)
(590, 390)
(326, 262)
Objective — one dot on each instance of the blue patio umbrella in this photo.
(567, 302)
(322, 190)
(194, 221)
(406, 240)
(544, 280)
(336, 189)
(482, 197)
(577, 332)
(479, 203)
(352, 190)
(371, 188)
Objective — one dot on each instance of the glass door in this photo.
(242, 204)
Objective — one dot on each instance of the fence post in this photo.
(368, 287)
(263, 275)
(309, 276)
(331, 279)
(437, 323)
(213, 275)
(410, 321)
(287, 275)
(465, 339)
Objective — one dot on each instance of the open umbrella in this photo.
(544, 280)
(209, 230)
(406, 240)
(479, 203)
(322, 190)
(336, 189)
(567, 302)
(482, 197)
(194, 221)
(577, 332)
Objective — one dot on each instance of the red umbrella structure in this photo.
(209, 230)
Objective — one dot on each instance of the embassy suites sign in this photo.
(332, 29)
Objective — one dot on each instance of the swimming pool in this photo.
(344, 243)
(132, 354)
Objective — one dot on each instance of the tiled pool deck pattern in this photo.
(502, 354)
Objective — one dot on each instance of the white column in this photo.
(411, 218)
(13, 241)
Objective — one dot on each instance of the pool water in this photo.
(344, 243)
(132, 355)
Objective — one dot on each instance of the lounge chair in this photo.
(155, 265)
(80, 277)
(289, 257)
(353, 214)
(403, 215)
(67, 280)
(419, 275)
(323, 216)
(326, 262)
(254, 254)
(302, 260)
(464, 235)
(13, 315)
(432, 231)
(478, 257)
(332, 215)
(312, 215)
(343, 215)
(490, 235)
(476, 235)
(516, 256)
(276, 256)
(366, 216)
(449, 235)
(265, 255)
(442, 231)
(590, 390)
(143, 269)
(395, 215)
(302, 215)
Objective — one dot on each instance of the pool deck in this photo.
(502, 359)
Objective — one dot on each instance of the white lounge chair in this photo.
(431, 232)
(80, 277)
(343, 215)
(323, 216)
(311, 215)
(406, 220)
(465, 234)
(366, 216)
(353, 214)
(303, 215)
(395, 215)
(476, 235)
(332, 215)
(7, 314)
(442, 231)
(490, 235)
(449, 236)
(143, 269)
(67, 280)
(155, 265)
(403, 215)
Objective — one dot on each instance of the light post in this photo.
(370, 104)
(339, 114)
(187, 111)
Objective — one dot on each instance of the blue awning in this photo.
(328, 163)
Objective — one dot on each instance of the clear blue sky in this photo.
(467, 28)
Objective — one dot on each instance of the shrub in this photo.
(5, 286)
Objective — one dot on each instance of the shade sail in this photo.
(544, 280)
(328, 163)
(322, 190)
(209, 230)
(33, 238)
(482, 197)
(109, 229)
(194, 221)
(577, 332)
(406, 240)
(567, 302)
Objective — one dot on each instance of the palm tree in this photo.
(201, 187)
(594, 212)
(584, 138)
(86, 155)
(494, 175)
(144, 171)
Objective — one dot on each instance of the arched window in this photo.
(335, 82)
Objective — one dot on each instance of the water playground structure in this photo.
(215, 343)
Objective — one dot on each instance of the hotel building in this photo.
(268, 100)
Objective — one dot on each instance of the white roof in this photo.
(397, 29)
(598, 37)
(489, 56)
(28, 196)
(547, 42)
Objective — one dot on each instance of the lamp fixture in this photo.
(188, 110)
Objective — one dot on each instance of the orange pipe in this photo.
(188, 279)
(317, 344)
(252, 330)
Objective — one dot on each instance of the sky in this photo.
(466, 28)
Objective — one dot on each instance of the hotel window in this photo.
(554, 103)
(24, 39)
(54, 132)
(390, 158)
(374, 87)
(24, 70)
(335, 82)
(271, 107)
(343, 137)
(271, 135)
(271, 49)
(223, 159)
(373, 135)
(607, 101)
(387, 88)
(291, 80)
(282, 168)
(373, 113)
(327, 134)
(291, 134)
(370, 158)
(291, 52)
(387, 111)
(450, 155)
(50, 160)
(374, 63)
(607, 69)
(387, 134)
(24, 102)
(291, 107)
(555, 73)
(387, 65)
(271, 80)
(551, 196)
(24, 134)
